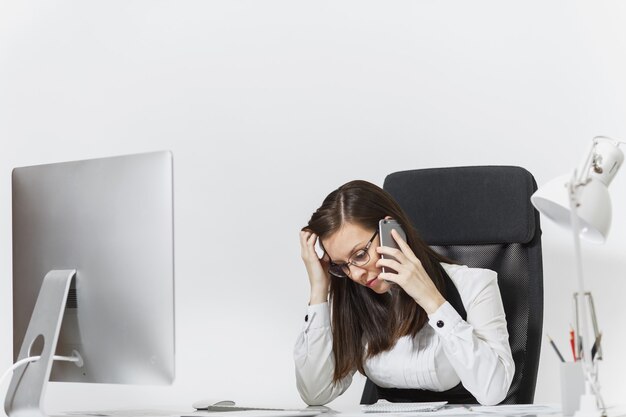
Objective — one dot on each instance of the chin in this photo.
(381, 287)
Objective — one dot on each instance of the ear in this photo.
(388, 217)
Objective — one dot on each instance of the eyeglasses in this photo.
(358, 258)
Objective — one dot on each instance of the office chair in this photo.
(482, 217)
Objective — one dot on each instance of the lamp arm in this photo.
(582, 330)
(590, 367)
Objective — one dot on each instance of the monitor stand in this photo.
(25, 396)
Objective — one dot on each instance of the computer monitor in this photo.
(101, 232)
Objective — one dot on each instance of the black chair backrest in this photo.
(482, 217)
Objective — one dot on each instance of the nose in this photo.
(357, 273)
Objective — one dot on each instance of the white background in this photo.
(268, 106)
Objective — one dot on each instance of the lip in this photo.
(371, 282)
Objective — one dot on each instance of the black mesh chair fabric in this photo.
(482, 217)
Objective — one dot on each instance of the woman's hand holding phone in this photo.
(410, 274)
(316, 268)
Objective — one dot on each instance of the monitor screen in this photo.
(111, 220)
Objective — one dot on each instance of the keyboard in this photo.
(237, 408)
(252, 412)
(384, 406)
(230, 409)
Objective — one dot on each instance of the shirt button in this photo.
(439, 323)
(306, 318)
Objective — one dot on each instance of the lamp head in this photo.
(589, 190)
(593, 208)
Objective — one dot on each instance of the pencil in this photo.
(555, 348)
(572, 342)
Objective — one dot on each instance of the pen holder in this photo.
(572, 386)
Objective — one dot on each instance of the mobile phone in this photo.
(319, 249)
(384, 231)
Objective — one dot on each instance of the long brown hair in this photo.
(360, 317)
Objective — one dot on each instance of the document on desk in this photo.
(512, 410)
(517, 409)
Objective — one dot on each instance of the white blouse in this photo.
(475, 352)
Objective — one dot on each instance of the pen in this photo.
(555, 348)
(572, 342)
(581, 352)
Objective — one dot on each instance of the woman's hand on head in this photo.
(410, 274)
(316, 268)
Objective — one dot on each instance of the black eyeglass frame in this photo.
(345, 266)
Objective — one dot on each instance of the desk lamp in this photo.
(581, 202)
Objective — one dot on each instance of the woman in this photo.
(428, 330)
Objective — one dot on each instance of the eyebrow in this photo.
(354, 249)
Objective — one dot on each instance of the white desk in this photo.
(616, 411)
